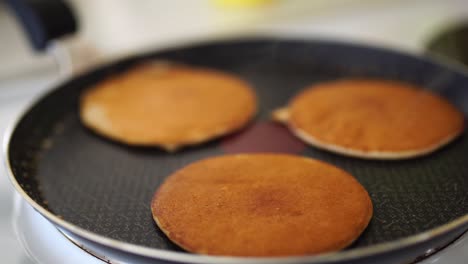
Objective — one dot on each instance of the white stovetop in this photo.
(397, 23)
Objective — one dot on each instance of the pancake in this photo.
(374, 119)
(167, 105)
(261, 205)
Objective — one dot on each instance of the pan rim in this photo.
(194, 258)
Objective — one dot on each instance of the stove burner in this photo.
(109, 255)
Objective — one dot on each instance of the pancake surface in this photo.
(375, 119)
(166, 105)
(261, 205)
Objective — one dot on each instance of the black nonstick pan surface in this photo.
(101, 190)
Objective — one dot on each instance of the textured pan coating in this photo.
(372, 118)
(169, 106)
(261, 205)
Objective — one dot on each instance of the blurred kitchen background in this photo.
(109, 29)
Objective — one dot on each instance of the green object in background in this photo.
(451, 43)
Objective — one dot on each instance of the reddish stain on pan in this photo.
(263, 137)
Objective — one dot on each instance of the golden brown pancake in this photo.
(169, 106)
(261, 205)
(374, 119)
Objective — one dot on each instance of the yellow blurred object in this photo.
(241, 3)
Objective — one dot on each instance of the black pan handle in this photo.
(44, 20)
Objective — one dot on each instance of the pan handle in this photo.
(44, 20)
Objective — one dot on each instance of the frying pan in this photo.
(100, 190)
